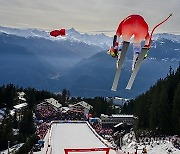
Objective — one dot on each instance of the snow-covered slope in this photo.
(100, 40)
(157, 146)
(25, 32)
(172, 37)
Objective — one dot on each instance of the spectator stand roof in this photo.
(117, 116)
(122, 116)
(20, 106)
(50, 101)
(119, 124)
(53, 102)
(65, 109)
(82, 104)
(21, 96)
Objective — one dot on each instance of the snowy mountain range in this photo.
(79, 62)
(72, 35)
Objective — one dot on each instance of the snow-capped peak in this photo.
(72, 35)
(96, 39)
(172, 37)
(24, 32)
(72, 31)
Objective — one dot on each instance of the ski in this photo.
(120, 64)
(137, 66)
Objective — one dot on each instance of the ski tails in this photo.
(119, 65)
(141, 56)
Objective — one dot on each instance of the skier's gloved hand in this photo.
(112, 51)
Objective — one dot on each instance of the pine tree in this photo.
(154, 110)
(142, 111)
(3, 140)
(6, 133)
(176, 111)
(27, 124)
(164, 112)
(65, 95)
(159, 106)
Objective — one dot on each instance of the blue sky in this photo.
(87, 15)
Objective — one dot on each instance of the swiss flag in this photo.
(55, 33)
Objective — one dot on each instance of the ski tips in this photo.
(129, 85)
(112, 89)
(128, 88)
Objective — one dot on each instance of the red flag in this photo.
(55, 33)
(89, 115)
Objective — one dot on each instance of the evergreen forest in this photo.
(158, 109)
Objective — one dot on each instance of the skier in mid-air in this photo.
(133, 25)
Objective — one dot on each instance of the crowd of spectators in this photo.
(102, 131)
(41, 129)
(72, 115)
(48, 113)
(176, 142)
(45, 114)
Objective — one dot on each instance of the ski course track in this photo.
(75, 135)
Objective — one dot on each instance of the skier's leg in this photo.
(136, 50)
(119, 53)
(137, 47)
(147, 39)
(125, 37)
(119, 50)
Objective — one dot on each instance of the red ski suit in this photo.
(133, 25)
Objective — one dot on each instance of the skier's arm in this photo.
(117, 36)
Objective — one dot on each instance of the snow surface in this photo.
(79, 135)
(12, 149)
(172, 37)
(155, 147)
(72, 135)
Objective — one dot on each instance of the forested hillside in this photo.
(159, 108)
(25, 126)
